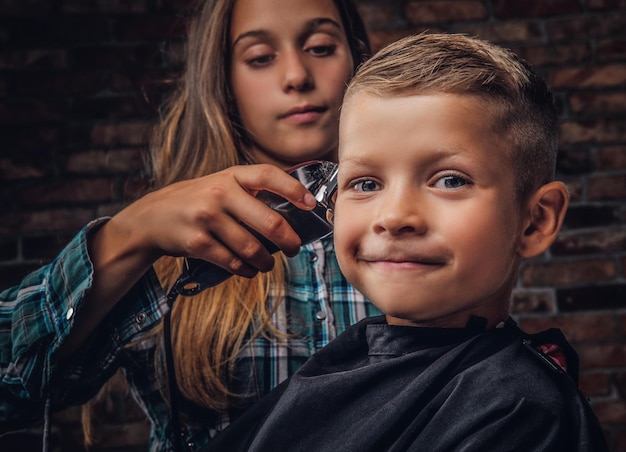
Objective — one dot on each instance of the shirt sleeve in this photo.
(36, 317)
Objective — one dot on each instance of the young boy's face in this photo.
(426, 222)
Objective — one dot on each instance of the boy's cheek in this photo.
(340, 232)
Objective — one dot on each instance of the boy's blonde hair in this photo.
(457, 64)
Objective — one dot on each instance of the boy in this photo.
(446, 164)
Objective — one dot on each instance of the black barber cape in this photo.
(380, 387)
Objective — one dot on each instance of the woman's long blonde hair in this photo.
(200, 133)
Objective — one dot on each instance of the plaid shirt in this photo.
(37, 315)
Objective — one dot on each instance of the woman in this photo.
(263, 84)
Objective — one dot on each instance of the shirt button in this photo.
(70, 313)
(140, 318)
(314, 258)
(321, 315)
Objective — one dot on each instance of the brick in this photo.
(619, 441)
(535, 301)
(577, 328)
(12, 274)
(149, 28)
(603, 355)
(502, 33)
(128, 57)
(592, 102)
(620, 384)
(604, 4)
(12, 169)
(504, 9)
(589, 216)
(594, 384)
(605, 130)
(586, 26)
(555, 54)
(45, 247)
(24, 7)
(611, 157)
(58, 30)
(610, 412)
(589, 243)
(611, 49)
(177, 5)
(57, 85)
(130, 106)
(33, 59)
(573, 161)
(599, 76)
(376, 15)
(104, 6)
(592, 298)
(607, 187)
(8, 248)
(70, 191)
(109, 209)
(127, 134)
(25, 111)
(564, 273)
(29, 138)
(57, 220)
(123, 161)
(424, 12)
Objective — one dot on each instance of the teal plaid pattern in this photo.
(36, 316)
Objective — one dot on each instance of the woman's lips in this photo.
(303, 115)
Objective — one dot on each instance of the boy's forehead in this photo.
(368, 117)
(422, 128)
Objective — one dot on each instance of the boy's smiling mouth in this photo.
(402, 260)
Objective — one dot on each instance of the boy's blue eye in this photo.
(367, 185)
(450, 182)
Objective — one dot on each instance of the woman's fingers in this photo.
(211, 217)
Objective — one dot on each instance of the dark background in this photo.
(80, 83)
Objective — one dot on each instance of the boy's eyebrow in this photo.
(311, 26)
(356, 161)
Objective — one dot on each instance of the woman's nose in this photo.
(296, 74)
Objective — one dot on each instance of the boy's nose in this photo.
(400, 214)
(296, 74)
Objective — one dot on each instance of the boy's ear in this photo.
(544, 216)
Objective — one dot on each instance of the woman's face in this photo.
(290, 65)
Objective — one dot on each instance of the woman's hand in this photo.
(202, 218)
(199, 218)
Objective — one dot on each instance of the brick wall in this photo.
(80, 81)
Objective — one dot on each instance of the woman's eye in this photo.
(321, 51)
(450, 182)
(366, 185)
(260, 61)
